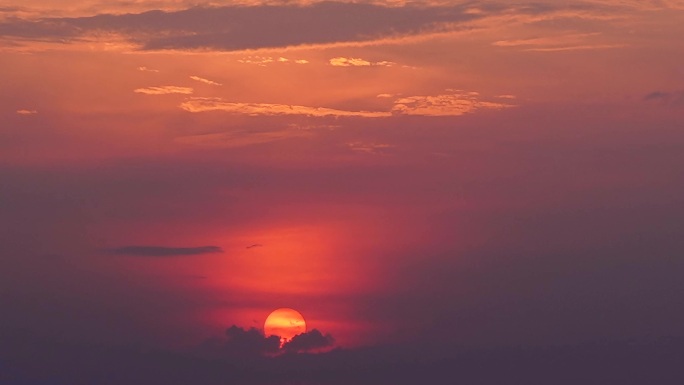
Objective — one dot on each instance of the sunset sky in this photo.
(419, 180)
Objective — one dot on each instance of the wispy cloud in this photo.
(265, 60)
(576, 47)
(205, 81)
(27, 112)
(241, 138)
(454, 103)
(545, 40)
(254, 109)
(369, 148)
(163, 251)
(674, 98)
(164, 90)
(257, 26)
(357, 62)
(557, 43)
(145, 69)
(265, 25)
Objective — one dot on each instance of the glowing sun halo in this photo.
(284, 323)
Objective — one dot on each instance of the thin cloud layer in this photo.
(164, 90)
(27, 112)
(369, 148)
(559, 43)
(262, 25)
(265, 60)
(234, 139)
(675, 98)
(454, 103)
(357, 62)
(270, 109)
(234, 28)
(162, 251)
(205, 81)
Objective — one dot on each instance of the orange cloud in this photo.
(452, 104)
(577, 47)
(254, 109)
(241, 138)
(164, 90)
(264, 60)
(27, 112)
(357, 62)
(205, 81)
(369, 148)
(568, 42)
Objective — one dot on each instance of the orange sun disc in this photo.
(284, 323)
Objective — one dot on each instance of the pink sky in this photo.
(481, 174)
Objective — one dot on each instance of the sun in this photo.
(284, 323)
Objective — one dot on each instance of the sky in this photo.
(447, 191)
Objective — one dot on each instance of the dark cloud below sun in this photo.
(162, 251)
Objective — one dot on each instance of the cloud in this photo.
(357, 62)
(264, 60)
(205, 81)
(27, 112)
(452, 104)
(145, 69)
(309, 341)
(675, 98)
(557, 43)
(349, 62)
(576, 47)
(263, 25)
(162, 251)
(234, 139)
(256, 109)
(164, 90)
(546, 40)
(251, 341)
(240, 27)
(369, 148)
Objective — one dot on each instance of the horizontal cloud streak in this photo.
(205, 81)
(164, 90)
(453, 103)
(357, 62)
(255, 109)
(449, 104)
(162, 251)
(251, 27)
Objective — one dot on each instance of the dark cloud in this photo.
(312, 340)
(161, 251)
(657, 95)
(675, 98)
(239, 27)
(601, 363)
(250, 341)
